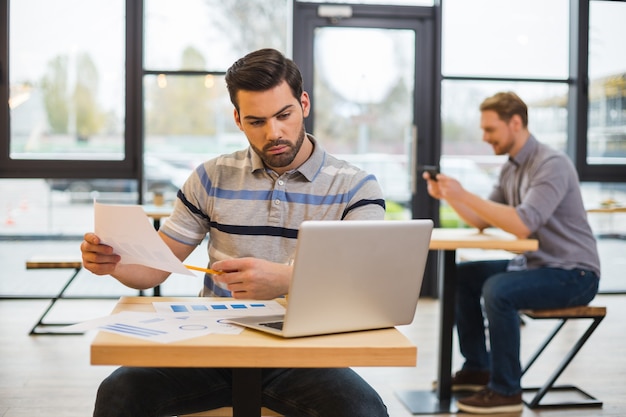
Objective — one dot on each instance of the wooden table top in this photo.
(450, 239)
(385, 347)
(609, 209)
(158, 212)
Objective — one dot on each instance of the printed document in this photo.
(128, 230)
(179, 320)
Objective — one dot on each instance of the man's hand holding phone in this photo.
(432, 171)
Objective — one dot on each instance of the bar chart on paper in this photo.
(221, 309)
(175, 321)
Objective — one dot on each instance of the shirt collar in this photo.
(312, 166)
(525, 153)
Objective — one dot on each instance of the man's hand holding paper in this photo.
(127, 229)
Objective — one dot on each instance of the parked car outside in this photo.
(160, 177)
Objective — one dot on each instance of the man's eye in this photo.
(256, 123)
(284, 116)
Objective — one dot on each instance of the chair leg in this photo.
(549, 385)
(41, 323)
(544, 345)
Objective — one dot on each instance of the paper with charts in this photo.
(128, 230)
(175, 321)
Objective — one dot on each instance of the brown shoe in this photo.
(490, 402)
(465, 380)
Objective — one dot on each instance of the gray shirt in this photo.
(542, 184)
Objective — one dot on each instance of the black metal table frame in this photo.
(441, 400)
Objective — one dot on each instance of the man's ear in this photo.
(237, 119)
(305, 102)
(516, 122)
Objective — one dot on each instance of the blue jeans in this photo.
(139, 392)
(503, 294)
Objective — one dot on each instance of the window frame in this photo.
(578, 105)
(132, 165)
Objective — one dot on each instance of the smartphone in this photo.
(432, 170)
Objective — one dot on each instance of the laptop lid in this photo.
(353, 275)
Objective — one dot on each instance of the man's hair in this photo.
(506, 104)
(262, 70)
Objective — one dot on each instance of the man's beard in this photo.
(504, 149)
(284, 159)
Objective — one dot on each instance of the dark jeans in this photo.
(139, 392)
(503, 295)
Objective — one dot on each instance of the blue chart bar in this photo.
(156, 320)
(186, 308)
(134, 330)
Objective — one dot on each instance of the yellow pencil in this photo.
(210, 271)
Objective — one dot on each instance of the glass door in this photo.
(369, 71)
(364, 86)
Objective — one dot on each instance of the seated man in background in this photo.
(251, 204)
(537, 196)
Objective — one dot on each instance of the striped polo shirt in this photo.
(248, 210)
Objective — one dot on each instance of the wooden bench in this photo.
(596, 315)
(53, 263)
(228, 412)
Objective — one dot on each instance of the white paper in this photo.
(156, 327)
(128, 230)
(174, 321)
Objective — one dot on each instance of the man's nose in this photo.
(272, 129)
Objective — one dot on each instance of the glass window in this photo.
(461, 134)
(499, 39)
(189, 114)
(67, 97)
(606, 142)
(32, 207)
(505, 38)
(465, 156)
(605, 204)
(381, 2)
(217, 31)
(188, 120)
(67, 79)
(188, 117)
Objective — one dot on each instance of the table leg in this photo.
(246, 392)
(441, 401)
(156, 291)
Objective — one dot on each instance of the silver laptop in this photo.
(351, 275)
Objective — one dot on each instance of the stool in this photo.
(596, 314)
(53, 263)
(228, 412)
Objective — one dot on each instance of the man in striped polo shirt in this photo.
(250, 204)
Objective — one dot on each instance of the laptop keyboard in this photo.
(278, 325)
